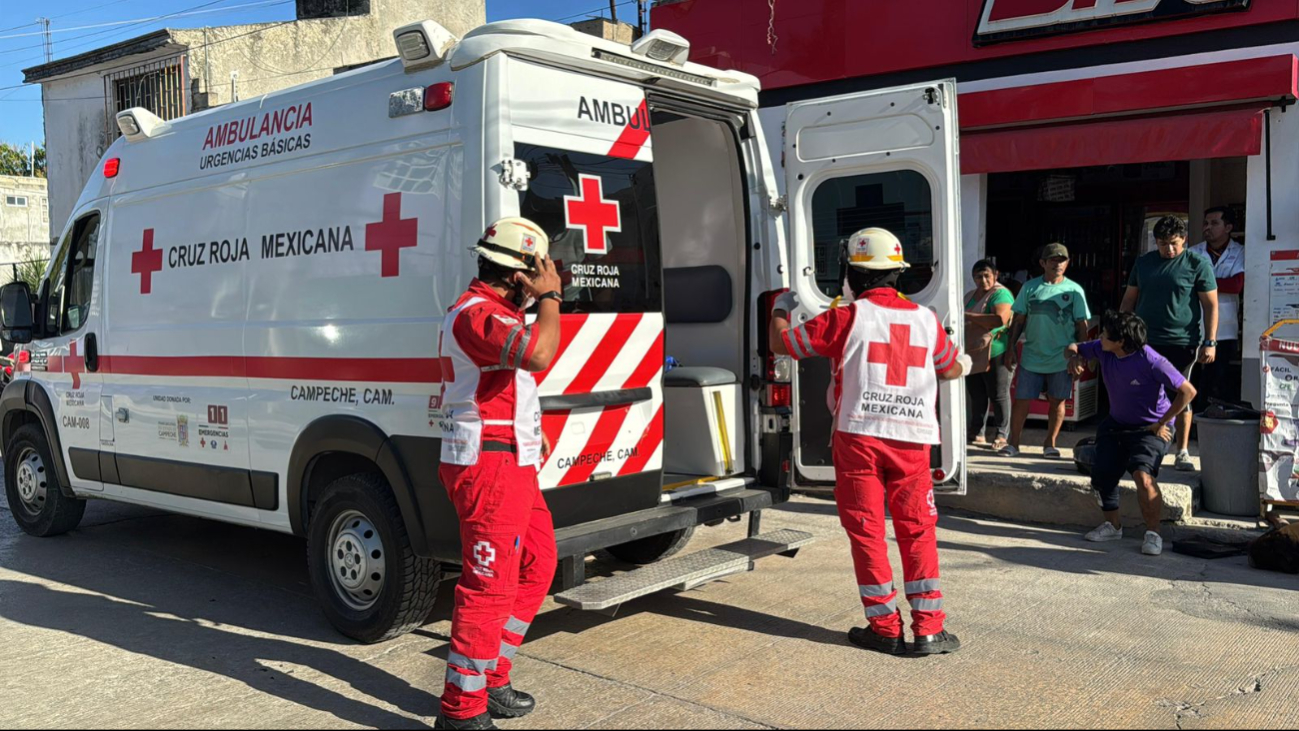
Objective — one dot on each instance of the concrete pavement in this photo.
(141, 619)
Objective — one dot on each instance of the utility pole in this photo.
(613, 10)
(49, 42)
(640, 16)
(31, 159)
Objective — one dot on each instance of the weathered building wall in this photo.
(21, 225)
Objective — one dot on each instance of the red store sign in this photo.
(1009, 20)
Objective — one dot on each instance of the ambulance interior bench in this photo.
(704, 460)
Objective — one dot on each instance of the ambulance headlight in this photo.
(412, 46)
(663, 46)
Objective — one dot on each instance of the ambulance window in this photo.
(618, 270)
(72, 278)
(900, 201)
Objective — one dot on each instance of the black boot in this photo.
(865, 638)
(481, 722)
(506, 702)
(943, 643)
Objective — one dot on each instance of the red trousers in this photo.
(871, 473)
(508, 540)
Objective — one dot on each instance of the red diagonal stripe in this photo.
(610, 346)
(569, 328)
(602, 437)
(552, 424)
(649, 442)
(649, 366)
(632, 139)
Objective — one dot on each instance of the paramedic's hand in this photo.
(1208, 355)
(544, 280)
(1162, 431)
(786, 301)
(545, 446)
(966, 362)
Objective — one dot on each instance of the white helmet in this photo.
(513, 243)
(875, 249)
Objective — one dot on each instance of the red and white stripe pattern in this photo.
(604, 352)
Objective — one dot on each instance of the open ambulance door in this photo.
(881, 158)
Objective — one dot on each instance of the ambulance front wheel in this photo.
(643, 551)
(39, 506)
(367, 578)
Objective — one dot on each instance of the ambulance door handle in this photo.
(124, 416)
(92, 353)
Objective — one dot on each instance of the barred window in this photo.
(160, 87)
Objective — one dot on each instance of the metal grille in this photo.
(160, 87)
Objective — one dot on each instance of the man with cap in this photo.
(1051, 313)
(492, 449)
(887, 355)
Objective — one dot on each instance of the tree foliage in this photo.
(14, 160)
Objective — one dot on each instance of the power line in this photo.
(137, 21)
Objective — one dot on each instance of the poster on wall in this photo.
(1279, 445)
(1284, 294)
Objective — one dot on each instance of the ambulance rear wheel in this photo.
(643, 551)
(367, 578)
(39, 506)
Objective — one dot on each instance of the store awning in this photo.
(1180, 136)
(1182, 113)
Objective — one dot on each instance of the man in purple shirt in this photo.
(1134, 437)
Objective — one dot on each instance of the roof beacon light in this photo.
(138, 123)
(663, 46)
(423, 44)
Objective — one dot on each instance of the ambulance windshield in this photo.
(601, 215)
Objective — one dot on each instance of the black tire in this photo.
(409, 583)
(644, 551)
(36, 498)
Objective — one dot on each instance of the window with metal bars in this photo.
(160, 87)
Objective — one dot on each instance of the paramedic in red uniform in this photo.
(492, 449)
(888, 355)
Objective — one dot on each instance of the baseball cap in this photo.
(1053, 250)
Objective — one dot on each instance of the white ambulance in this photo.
(241, 320)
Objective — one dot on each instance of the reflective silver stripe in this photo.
(926, 605)
(882, 609)
(469, 663)
(801, 330)
(508, 651)
(796, 348)
(523, 348)
(876, 590)
(509, 345)
(517, 626)
(467, 683)
(489, 369)
(498, 422)
(924, 586)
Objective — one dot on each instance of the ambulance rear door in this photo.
(581, 167)
(883, 158)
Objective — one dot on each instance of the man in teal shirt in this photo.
(1168, 289)
(1051, 312)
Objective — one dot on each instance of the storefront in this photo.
(1082, 121)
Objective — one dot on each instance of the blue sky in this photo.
(20, 108)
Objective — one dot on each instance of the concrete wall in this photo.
(28, 224)
(270, 57)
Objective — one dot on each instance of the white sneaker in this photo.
(1183, 462)
(1106, 532)
(1154, 544)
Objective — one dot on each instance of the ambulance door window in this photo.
(576, 195)
(53, 303)
(900, 201)
(81, 274)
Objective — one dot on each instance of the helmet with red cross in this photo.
(875, 249)
(513, 243)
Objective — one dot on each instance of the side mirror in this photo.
(16, 313)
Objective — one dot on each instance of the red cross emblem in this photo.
(391, 235)
(146, 261)
(591, 213)
(70, 363)
(899, 355)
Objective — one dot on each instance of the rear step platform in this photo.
(683, 572)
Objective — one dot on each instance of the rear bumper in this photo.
(579, 540)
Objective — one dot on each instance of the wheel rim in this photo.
(357, 564)
(32, 481)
